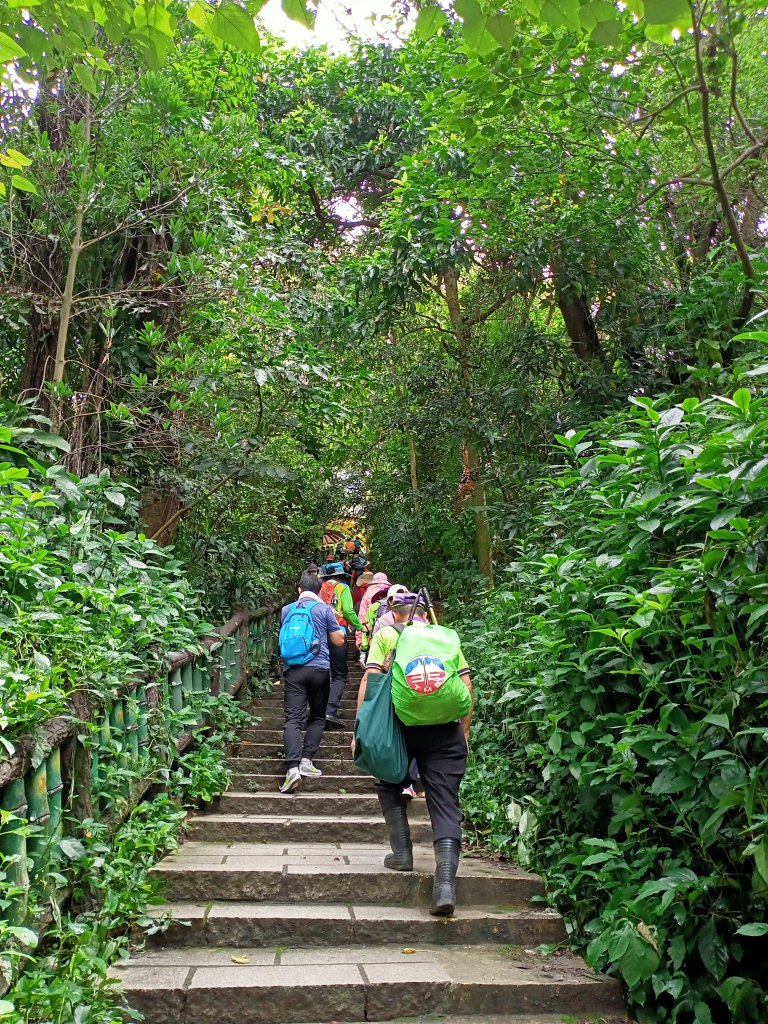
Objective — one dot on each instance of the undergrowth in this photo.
(620, 666)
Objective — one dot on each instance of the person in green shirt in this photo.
(335, 592)
(440, 751)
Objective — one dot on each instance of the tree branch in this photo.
(183, 511)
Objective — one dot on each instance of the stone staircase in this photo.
(282, 913)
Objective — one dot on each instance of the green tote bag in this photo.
(379, 741)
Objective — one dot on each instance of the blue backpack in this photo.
(298, 640)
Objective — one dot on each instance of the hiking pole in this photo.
(428, 602)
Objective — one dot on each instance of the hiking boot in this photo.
(447, 853)
(334, 722)
(309, 770)
(401, 858)
(292, 780)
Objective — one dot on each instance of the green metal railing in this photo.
(84, 765)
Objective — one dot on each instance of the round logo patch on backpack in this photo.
(425, 674)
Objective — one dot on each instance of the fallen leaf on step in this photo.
(240, 959)
(408, 950)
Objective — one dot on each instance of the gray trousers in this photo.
(339, 673)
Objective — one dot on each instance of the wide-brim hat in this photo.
(334, 571)
(379, 579)
(364, 579)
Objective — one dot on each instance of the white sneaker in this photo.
(308, 769)
(292, 780)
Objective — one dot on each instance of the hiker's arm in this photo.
(348, 609)
(361, 691)
(466, 721)
(337, 637)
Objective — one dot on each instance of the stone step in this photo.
(308, 804)
(276, 721)
(270, 782)
(341, 737)
(329, 746)
(276, 765)
(243, 985)
(327, 924)
(290, 827)
(330, 873)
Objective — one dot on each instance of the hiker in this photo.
(379, 585)
(358, 565)
(308, 632)
(358, 588)
(335, 592)
(433, 683)
(377, 599)
(384, 616)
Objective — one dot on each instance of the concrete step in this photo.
(330, 746)
(275, 721)
(309, 804)
(270, 782)
(290, 827)
(341, 765)
(329, 873)
(244, 985)
(327, 924)
(261, 734)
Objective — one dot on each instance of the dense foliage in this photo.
(622, 662)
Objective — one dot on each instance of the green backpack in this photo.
(426, 686)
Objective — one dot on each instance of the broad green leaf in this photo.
(6, 1008)
(754, 929)
(503, 30)
(9, 49)
(561, 13)
(595, 11)
(297, 11)
(663, 34)
(234, 25)
(429, 22)
(743, 398)
(152, 14)
(474, 27)
(23, 184)
(713, 951)
(667, 12)
(607, 33)
(86, 78)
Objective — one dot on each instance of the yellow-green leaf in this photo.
(9, 49)
(563, 13)
(429, 22)
(233, 25)
(85, 77)
(607, 33)
(502, 28)
(667, 12)
(297, 10)
(23, 184)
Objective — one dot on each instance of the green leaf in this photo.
(19, 159)
(6, 1008)
(23, 184)
(713, 951)
(297, 11)
(233, 25)
(754, 929)
(474, 27)
(607, 33)
(649, 525)
(9, 49)
(86, 78)
(503, 30)
(638, 962)
(562, 13)
(742, 398)
(667, 12)
(429, 22)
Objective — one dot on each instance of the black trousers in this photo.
(304, 685)
(440, 751)
(339, 673)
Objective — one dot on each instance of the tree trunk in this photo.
(74, 255)
(577, 317)
(461, 333)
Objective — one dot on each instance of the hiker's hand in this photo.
(352, 746)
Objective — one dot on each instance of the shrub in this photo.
(623, 749)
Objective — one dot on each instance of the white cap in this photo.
(396, 588)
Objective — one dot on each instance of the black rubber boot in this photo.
(401, 858)
(447, 853)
